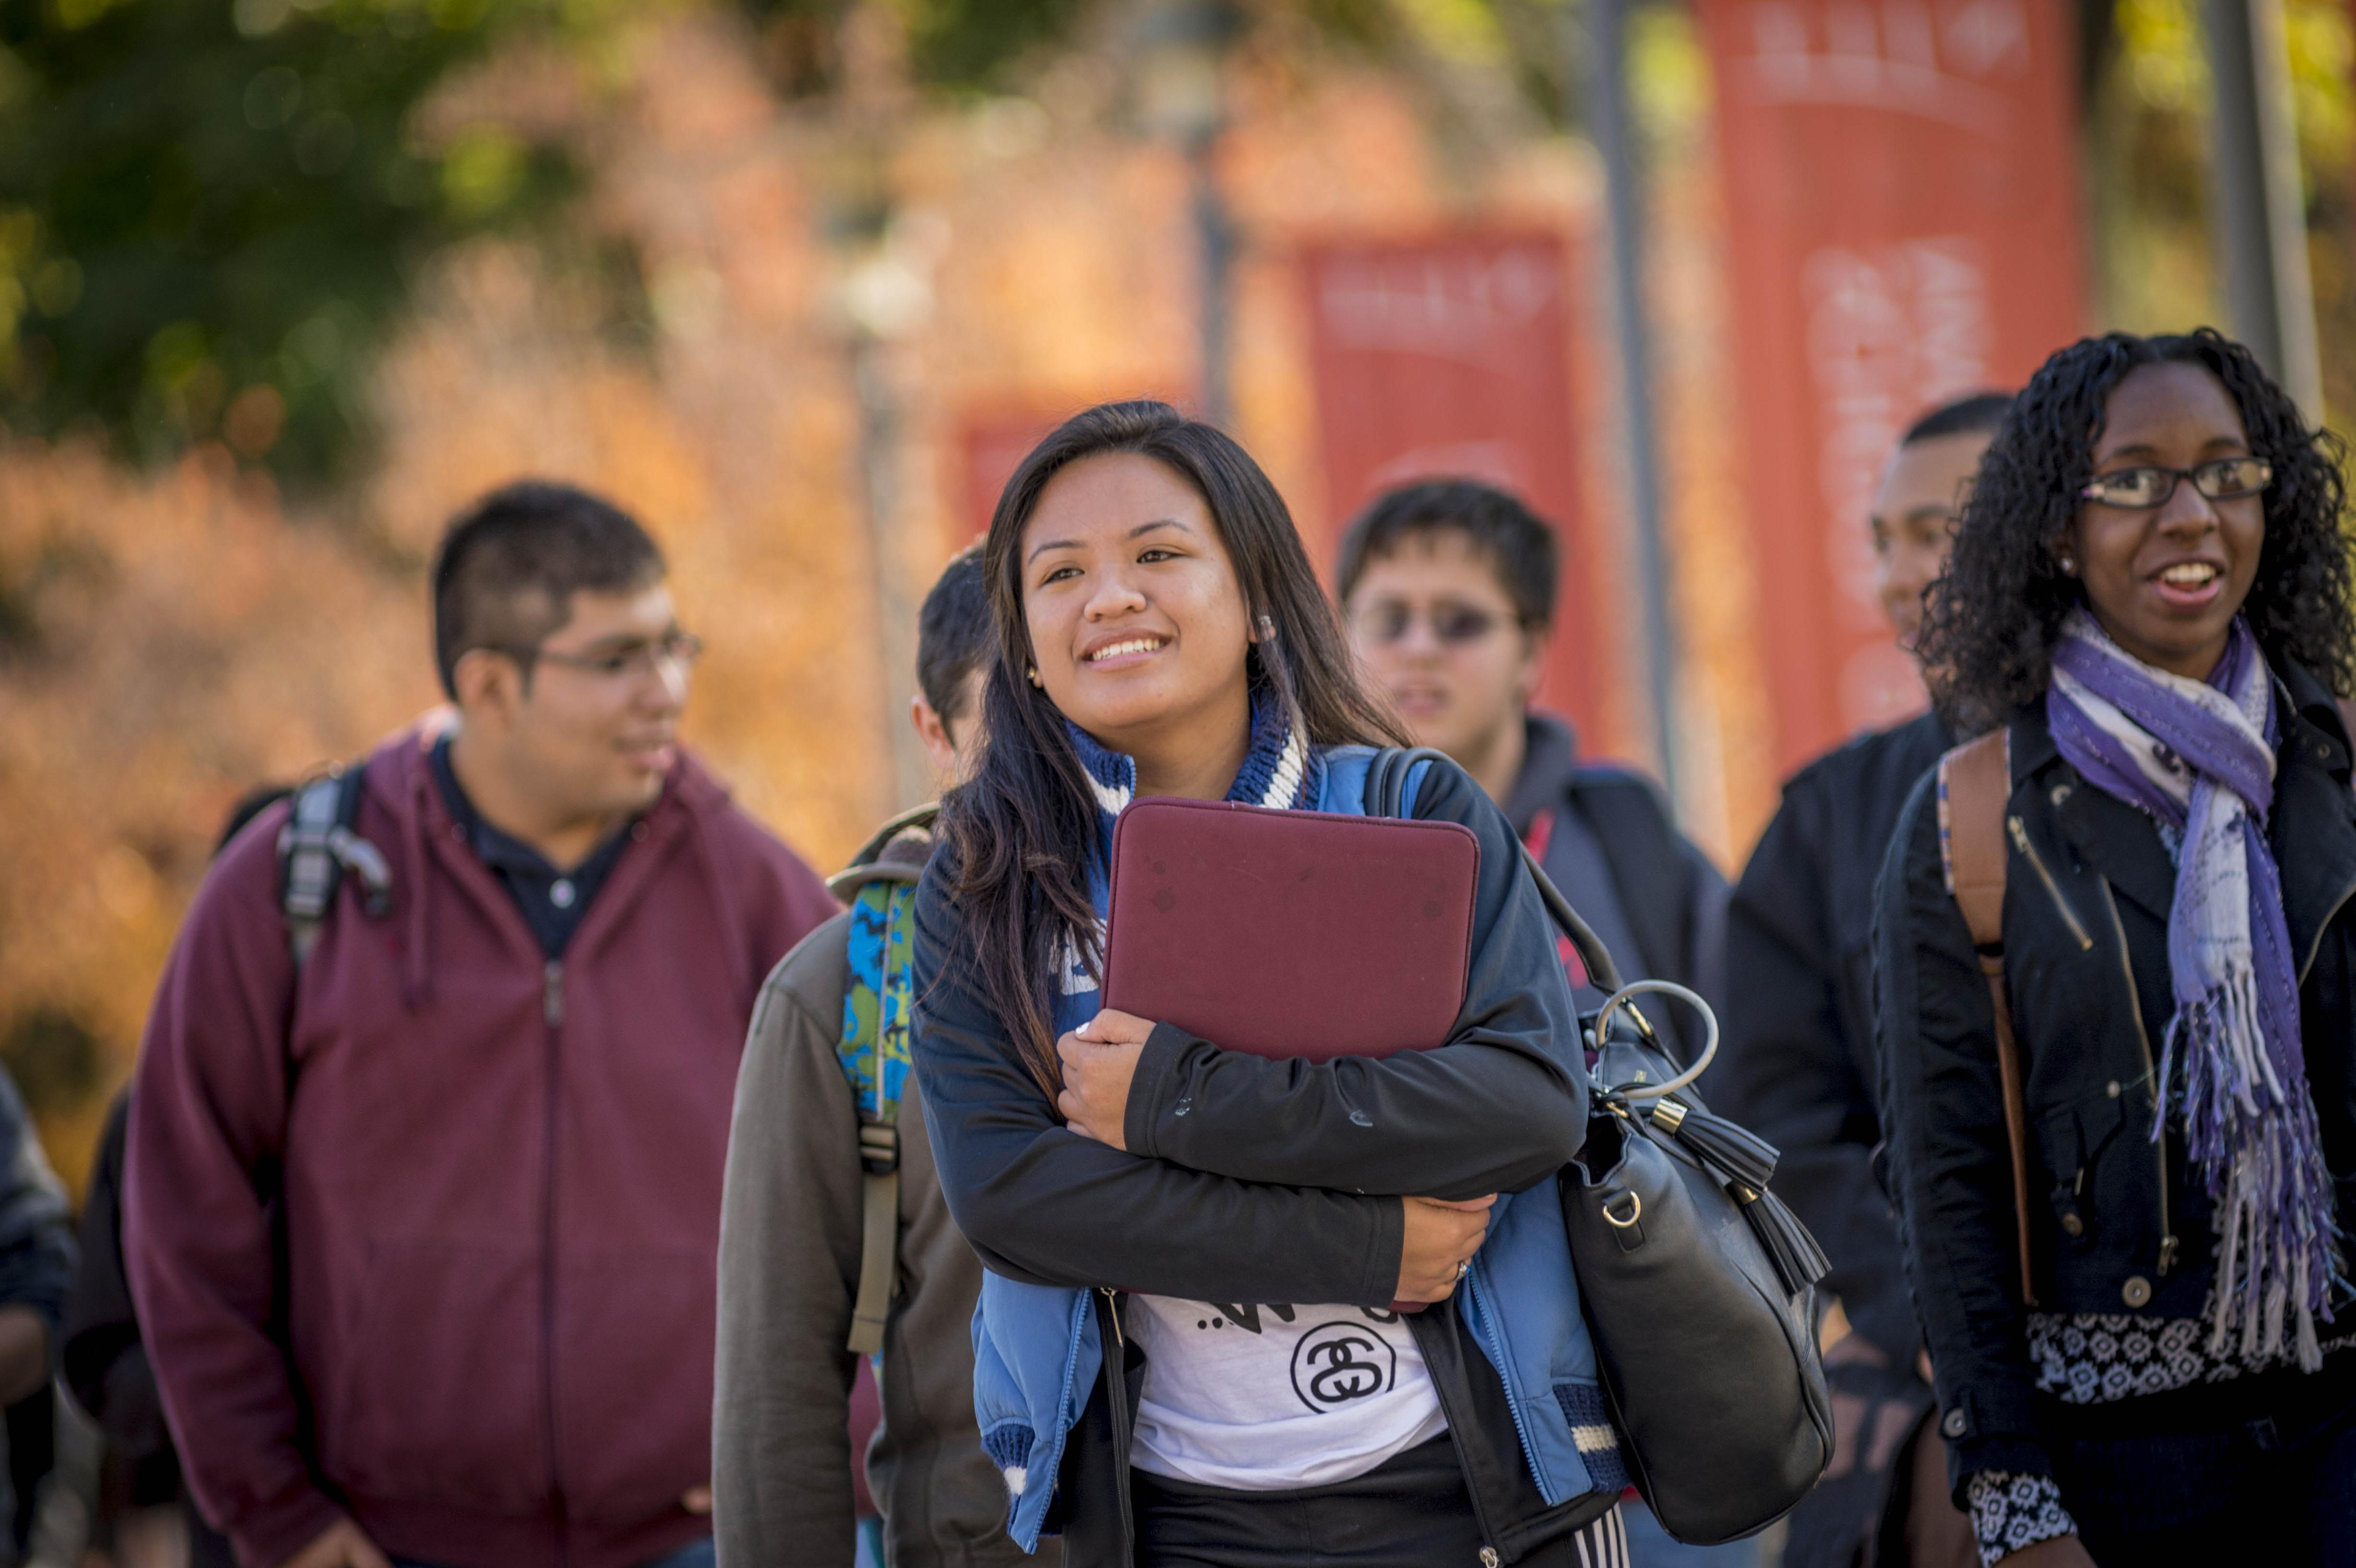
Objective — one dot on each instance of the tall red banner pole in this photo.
(1905, 223)
(1450, 356)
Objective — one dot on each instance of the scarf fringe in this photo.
(2198, 756)
(2278, 1255)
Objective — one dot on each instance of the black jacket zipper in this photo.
(1420, 1326)
(2150, 1074)
(2029, 852)
(1116, 1377)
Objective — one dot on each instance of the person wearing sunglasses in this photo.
(2138, 1306)
(1447, 590)
(421, 1198)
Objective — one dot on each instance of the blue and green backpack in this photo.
(873, 1052)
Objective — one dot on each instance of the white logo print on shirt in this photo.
(1335, 1363)
(1267, 1397)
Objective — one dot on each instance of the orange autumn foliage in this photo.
(169, 639)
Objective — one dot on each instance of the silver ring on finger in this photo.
(1464, 1268)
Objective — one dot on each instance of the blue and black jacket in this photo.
(1279, 1183)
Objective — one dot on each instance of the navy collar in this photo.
(498, 849)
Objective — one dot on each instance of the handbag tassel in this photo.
(1739, 1153)
(1798, 1258)
(1745, 1162)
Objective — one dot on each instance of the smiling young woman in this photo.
(2149, 594)
(1161, 1218)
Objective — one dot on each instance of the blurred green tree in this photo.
(210, 211)
(959, 45)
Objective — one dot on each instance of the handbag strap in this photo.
(1386, 781)
(1974, 784)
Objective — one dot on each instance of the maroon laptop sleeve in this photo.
(1291, 933)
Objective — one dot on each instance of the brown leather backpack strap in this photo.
(1974, 784)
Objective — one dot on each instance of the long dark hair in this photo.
(1022, 831)
(1992, 619)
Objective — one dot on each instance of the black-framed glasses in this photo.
(2142, 488)
(646, 657)
(1453, 623)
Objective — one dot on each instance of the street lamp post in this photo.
(2256, 212)
(1182, 94)
(1613, 124)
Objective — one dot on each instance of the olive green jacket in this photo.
(789, 1247)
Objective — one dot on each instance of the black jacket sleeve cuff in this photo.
(1385, 1248)
(1156, 1087)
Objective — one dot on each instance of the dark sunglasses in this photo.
(1453, 625)
(2140, 489)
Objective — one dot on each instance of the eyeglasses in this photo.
(1453, 624)
(2140, 489)
(679, 648)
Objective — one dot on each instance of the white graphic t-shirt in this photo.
(1275, 1398)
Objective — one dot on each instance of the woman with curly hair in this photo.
(2149, 595)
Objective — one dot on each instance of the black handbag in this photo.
(1698, 1284)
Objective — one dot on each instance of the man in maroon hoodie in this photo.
(422, 1228)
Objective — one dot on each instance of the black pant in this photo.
(2259, 1469)
(1410, 1511)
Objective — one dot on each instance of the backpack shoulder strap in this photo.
(1974, 785)
(862, 865)
(1975, 782)
(873, 1051)
(319, 843)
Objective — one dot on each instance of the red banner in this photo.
(1901, 190)
(991, 444)
(1450, 356)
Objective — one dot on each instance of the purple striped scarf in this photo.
(2199, 757)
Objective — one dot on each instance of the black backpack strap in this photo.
(316, 847)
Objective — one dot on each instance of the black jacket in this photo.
(1250, 1181)
(104, 1363)
(1797, 1064)
(2118, 1223)
(1671, 899)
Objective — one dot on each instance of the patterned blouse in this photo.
(2094, 1358)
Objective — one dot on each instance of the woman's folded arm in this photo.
(1043, 1204)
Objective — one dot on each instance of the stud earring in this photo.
(1266, 629)
(1031, 671)
(2069, 564)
